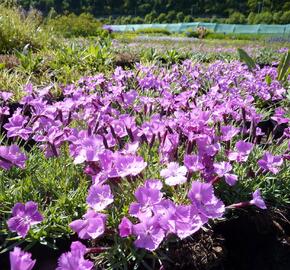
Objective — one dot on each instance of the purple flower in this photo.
(242, 153)
(125, 227)
(153, 184)
(187, 220)
(99, 197)
(87, 148)
(222, 169)
(149, 234)
(15, 127)
(279, 116)
(23, 217)
(258, 200)
(270, 163)
(174, 174)
(92, 226)
(20, 260)
(5, 95)
(4, 110)
(203, 198)
(74, 260)
(11, 156)
(129, 165)
(228, 132)
(193, 163)
(147, 198)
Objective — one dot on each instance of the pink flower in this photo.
(242, 153)
(258, 200)
(20, 260)
(271, 163)
(129, 165)
(74, 260)
(222, 169)
(228, 132)
(99, 197)
(91, 227)
(23, 217)
(203, 198)
(125, 227)
(11, 156)
(193, 163)
(173, 174)
(149, 234)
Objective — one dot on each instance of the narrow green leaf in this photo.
(246, 58)
(284, 67)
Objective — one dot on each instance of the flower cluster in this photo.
(188, 127)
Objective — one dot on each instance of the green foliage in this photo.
(264, 17)
(84, 25)
(157, 31)
(237, 17)
(56, 184)
(244, 57)
(236, 36)
(175, 11)
(190, 32)
(18, 30)
(284, 67)
(285, 18)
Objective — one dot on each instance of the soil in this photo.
(250, 240)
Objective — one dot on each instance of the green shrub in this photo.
(251, 18)
(264, 17)
(285, 18)
(137, 20)
(161, 18)
(158, 31)
(188, 19)
(191, 33)
(71, 25)
(180, 17)
(18, 30)
(235, 36)
(237, 17)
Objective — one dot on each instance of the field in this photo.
(142, 151)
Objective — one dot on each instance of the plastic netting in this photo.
(214, 27)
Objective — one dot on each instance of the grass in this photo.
(56, 184)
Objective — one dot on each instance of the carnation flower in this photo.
(20, 260)
(258, 200)
(222, 169)
(74, 260)
(193, 163)
(129, 165)
(11, 156)
(23, 217)
(91, 226)
(228, 132)
(146, 199)
(99, 197)
(149, 234)
(203, 198)
(242, 153)
(125, 227)
(271, 163)
(173, 174)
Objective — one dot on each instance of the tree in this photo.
(237, 17)
(285, 18)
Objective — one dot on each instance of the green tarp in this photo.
(214, 27)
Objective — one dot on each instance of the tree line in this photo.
(158, 11)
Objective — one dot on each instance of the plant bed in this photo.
(147, 168)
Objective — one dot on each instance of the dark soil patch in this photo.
(249, 240)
